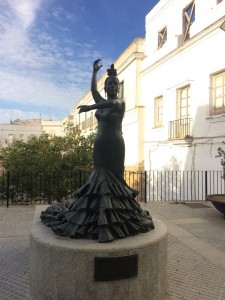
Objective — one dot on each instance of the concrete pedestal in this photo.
(63, 268)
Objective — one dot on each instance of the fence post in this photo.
(49, 188)
(206, 183)
(80, 183)
(145, 186)
(7, 190)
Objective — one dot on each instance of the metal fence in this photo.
(30, 188)
(17, 188)
(183, 185)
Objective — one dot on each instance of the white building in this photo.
(23, 129)
(183, 85)
(173, 82)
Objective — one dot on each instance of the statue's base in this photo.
(77, 269)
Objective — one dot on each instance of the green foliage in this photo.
(46, 154)
(48, 164)
(221, 155)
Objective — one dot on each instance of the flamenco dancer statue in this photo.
(105, 207)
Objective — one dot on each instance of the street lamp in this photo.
(222, 26)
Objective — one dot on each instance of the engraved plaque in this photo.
(115, 268)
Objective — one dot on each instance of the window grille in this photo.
(188, 19)
(162, 37)
(158, 111)
(219, 93)
(121, 89)
(183, 105)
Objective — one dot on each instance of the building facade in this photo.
(23, 129)
(183, 85)
(173, 83)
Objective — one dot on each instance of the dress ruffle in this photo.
(105, 209)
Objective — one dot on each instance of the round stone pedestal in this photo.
(65, 269)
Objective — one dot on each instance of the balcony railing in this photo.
(180, 129)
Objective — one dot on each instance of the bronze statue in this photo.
(109, 149)
(105, 207)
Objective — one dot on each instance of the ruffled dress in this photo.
(104, 208)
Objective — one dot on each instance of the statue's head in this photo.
(112, 83)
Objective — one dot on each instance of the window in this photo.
(52, 133)
(84, 122)
(162, 37)
(219, 93)
(183, 105)
(121, 89)
(158, 112)
(188, 19)
(91, 119)
(181, 127)
(11, 138)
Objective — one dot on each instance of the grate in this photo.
(197, 205)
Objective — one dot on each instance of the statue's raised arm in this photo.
(96, 95)
(111, 89)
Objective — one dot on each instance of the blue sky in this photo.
(48, 47)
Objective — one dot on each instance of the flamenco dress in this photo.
(104, 208)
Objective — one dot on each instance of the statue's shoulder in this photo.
(122, 101)
(121, 104)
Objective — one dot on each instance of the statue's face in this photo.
(112, 86)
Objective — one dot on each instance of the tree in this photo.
(48, 162)
(49, 154)
(221, 155)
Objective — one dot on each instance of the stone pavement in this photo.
(15, 223)
(196, 250)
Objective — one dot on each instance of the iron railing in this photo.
(166, 185)
(183, 185)
(31, 188)
(180, 129)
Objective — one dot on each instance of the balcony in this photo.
(180, 129)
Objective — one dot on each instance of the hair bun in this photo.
(112, 71)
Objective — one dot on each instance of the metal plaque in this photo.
(115, 268)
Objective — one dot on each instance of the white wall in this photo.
(171, 67)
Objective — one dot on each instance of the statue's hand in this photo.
(96, 67)
(83, 108)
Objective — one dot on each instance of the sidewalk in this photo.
(196, 250)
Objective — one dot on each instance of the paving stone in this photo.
(16, 221)
(171, 210)
(190, 275)
(209, 232)
(14, 273)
